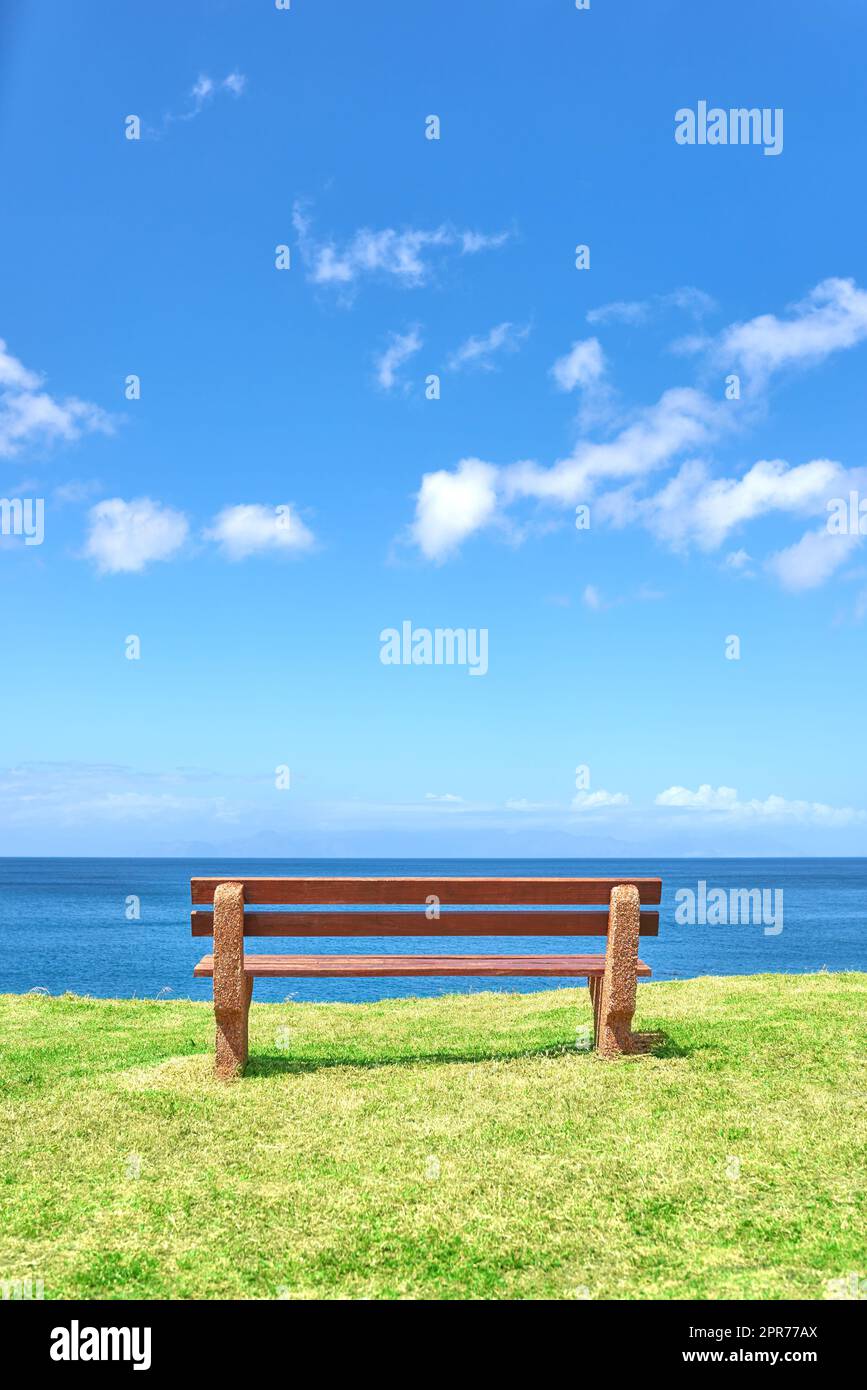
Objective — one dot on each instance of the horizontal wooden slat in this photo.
(333, 967)
(560, 923)
(463, 892)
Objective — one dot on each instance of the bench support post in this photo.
(232, 988)
(616, 991)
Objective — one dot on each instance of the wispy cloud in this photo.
(682, 419)
(204, 91)
(832, 317)
(593, 598)
(478, 492)
(725, 801)
(472, 242)
(687, 298)
(741, 562)
(479, 351)
(401, 347)
(68, 794)
(452, 505)
(407, 257)
(696, 509)
(583, 365)
(813, 559)
(598, 801)
(79, 797)
(29, 415)
(77, 490)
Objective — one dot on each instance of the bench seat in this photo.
(332, 967)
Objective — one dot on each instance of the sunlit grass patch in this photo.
(460, 1147)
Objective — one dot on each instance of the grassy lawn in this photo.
(461, 1147)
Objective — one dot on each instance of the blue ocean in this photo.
(64, 923)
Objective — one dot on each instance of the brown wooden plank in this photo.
(332, 967)
(557, 923)
(410, 892)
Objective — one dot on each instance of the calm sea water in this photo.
(63, 923)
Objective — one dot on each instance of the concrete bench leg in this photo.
(232, 988)
(617, 988)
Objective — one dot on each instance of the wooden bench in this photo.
(561, 907)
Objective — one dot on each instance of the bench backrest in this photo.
(561, 906)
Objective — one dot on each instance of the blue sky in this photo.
(305, 389)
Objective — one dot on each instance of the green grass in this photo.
(459, 1147)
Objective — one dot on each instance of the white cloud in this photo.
(812, 560)
(143, 806)
(740, 561)
(13, 373)
(77, 490)
(583, 365)
(831, 317)
(247, 529)
(478, 351)
(593, 598)
(68, 794)
(707, 798)
(203, 91)
(681, 419)
(202, 88)
(401, 255)
(29, 415)
(594, 801)
(688, 298)
(444, 796)
(451, 506)
(472, 242)
(394, 253)
(694, 508)
(124, 537)
(620, 311)
(400, 349)
(726, 800)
